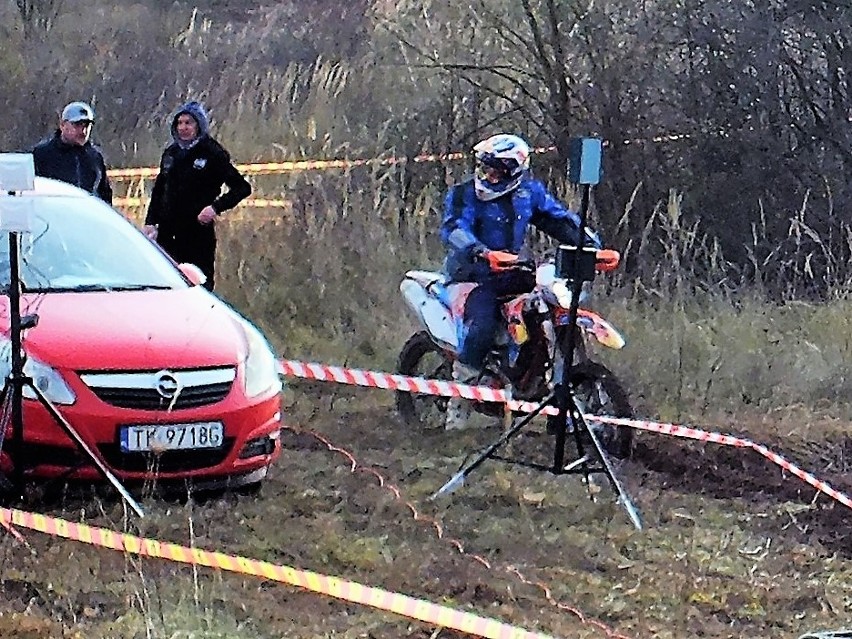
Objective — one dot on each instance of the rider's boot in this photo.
(459, 409)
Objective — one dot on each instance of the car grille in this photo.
(156, 390)
(170, 461)
(151, 400)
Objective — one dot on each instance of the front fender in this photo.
(600, 329)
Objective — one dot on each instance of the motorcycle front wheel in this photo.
(421, 357)
(598, 391)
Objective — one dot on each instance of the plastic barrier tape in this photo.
(274, 168)
(335, 587)
(374, 379)
(254, 202)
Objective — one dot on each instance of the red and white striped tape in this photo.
(374, 379)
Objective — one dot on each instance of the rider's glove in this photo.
(499, 260)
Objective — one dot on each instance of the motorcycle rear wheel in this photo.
(600, 392)
(421, 357)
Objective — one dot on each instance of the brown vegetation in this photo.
(734, 298)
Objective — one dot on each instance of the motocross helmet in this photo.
(501, 163)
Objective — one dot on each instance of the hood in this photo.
(197, 111)
(133, 330)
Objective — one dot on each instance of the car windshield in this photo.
(81, 244)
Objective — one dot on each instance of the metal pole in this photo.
(563, 390)
(16, 373)
(458, 479)
(17, 380)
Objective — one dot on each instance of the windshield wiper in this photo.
(79, 288)
(87, 288)
(140, 287)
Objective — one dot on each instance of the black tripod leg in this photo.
(83, 446)
(458, 479)
(6, 485)
(623, 497)
(575, 416)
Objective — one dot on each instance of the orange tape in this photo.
(351, 591)
(254, 202)
(273, 168)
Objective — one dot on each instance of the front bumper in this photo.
(251, 443)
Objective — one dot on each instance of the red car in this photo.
(162, 379)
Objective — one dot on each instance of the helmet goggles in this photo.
(501, 168)
(501, 162)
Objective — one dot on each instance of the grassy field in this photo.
(733, 546)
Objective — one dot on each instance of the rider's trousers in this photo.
(482, 312)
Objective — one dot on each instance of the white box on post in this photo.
(17, 174)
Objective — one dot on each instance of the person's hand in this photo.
(499, 260)
(150, 231)
(207, 215)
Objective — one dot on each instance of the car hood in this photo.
(131, 330)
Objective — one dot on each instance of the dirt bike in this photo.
(529, 352)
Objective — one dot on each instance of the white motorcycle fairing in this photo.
(427, 294)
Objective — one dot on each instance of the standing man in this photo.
(187, 198)
(71, 157)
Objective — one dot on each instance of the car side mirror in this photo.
(192, 273)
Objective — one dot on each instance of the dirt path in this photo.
(732, 548)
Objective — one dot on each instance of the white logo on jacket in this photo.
(200, 163)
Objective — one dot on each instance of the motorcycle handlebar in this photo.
(499, 261)
(605, 260)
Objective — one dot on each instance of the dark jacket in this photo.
(470, 224)
(191, 179)
(82, 166)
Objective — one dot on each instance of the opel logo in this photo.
(166, 384)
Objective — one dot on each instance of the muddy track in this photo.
(722, 472)
(731, 548)
(661, 463)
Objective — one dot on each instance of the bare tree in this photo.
(38, 16)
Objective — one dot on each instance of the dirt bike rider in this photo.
(484, 218)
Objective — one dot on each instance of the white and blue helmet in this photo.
(501, 162)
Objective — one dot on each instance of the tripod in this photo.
(577, 265)
(17, 381)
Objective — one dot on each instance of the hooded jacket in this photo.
(82, 166)
(191, 177)
(471, 225)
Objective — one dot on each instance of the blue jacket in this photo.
(470, 224)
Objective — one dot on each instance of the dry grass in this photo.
(730, 549)
(707, 339)
(321, 279)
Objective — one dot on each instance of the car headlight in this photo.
(47, 379)
(261, 372)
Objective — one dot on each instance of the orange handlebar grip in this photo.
(607, 260)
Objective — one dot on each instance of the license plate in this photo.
(161, 437)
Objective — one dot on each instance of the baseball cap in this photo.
(78, 112)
